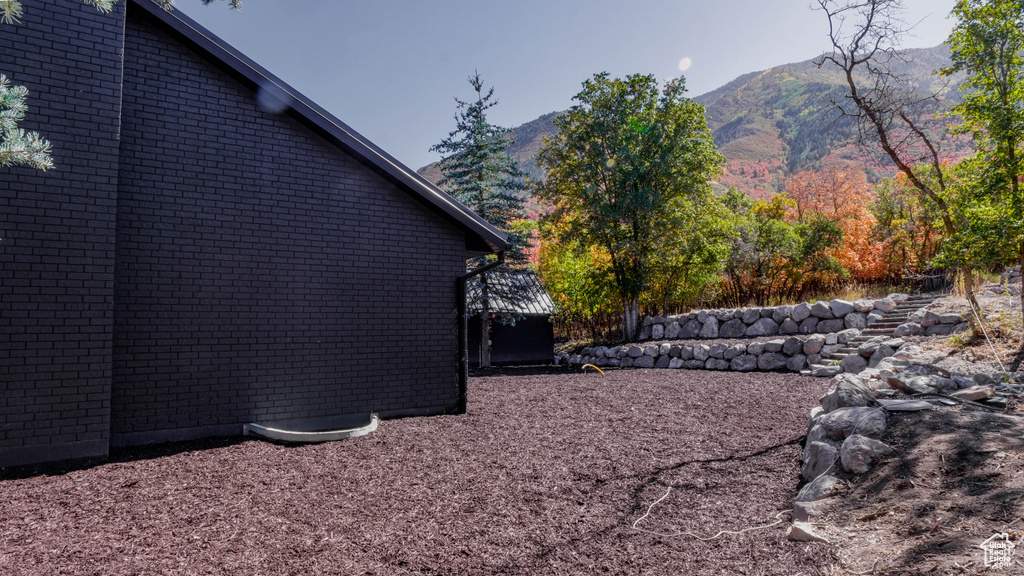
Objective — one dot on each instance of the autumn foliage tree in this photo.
(908, 226)
(844, 197)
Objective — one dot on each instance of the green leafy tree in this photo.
(772, 258)
(477, 171)
(686, 267)
(987, 44)
(625, 161)
(18, 148)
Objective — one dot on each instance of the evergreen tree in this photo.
(16, 147)
(477, 171)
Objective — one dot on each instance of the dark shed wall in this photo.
(57, 252)
(262, 273)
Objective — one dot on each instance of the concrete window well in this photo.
(310, 430)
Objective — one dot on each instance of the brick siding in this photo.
(195, 263)
(58, 230)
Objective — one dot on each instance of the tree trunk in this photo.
(1020, 262)
(485, 325)
(630, 318)
(485, 340)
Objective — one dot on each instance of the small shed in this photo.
(520, 308)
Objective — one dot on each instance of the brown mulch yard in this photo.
(545, 475)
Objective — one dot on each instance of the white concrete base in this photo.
(313, 430)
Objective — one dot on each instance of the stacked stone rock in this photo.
(842, 435)
(781, 354)
(1012, 275)
(928, 323)
(805, 318)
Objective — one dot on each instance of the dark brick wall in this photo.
(262, 273)
(58, 230)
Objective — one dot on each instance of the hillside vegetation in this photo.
(774, 123)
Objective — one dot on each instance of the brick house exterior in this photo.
(195, 262)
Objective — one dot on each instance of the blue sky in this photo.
(390, 69)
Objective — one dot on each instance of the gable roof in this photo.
(517, 292)
(481, 236)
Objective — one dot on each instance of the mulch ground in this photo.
(546, 475)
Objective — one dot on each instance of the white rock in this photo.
(804, 532)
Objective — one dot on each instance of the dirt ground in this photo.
(957, 478)
(546, 475)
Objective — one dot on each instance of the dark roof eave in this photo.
(485, 236)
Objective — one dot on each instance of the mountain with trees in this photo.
(774, 123)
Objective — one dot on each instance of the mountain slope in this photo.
(776, 122)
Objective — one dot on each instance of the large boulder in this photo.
(974, 393)
(771, 361)
(813, 344)
(928, 318)
(664, 361)
(734, 351)
(716, 364)
(885, 304)
(781, 313)
(853, 363)
(796, 363)
(717, 350)
(734, 328)
(635, 352)
(820, 488)
(844, 422)
(858, 453)
(672, 330)
(847, 392)
(826, 371)
(883, 352)
(844, 336)
(751, 315)
(830, 326)
(809, 325)
(657, 331)
(652, 351)
(820, 309)
(644, 362)
(710, 328)
(818, 459)
(858, 320)
(801, 312)
(789, 327)
(701, 352)
(792, 346)
(863, 305)
(743, 363)
(763, 327)
(907, 329)
(691, 329)
(841, 308)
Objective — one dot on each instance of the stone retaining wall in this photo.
(806, 318)
(783, 354)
